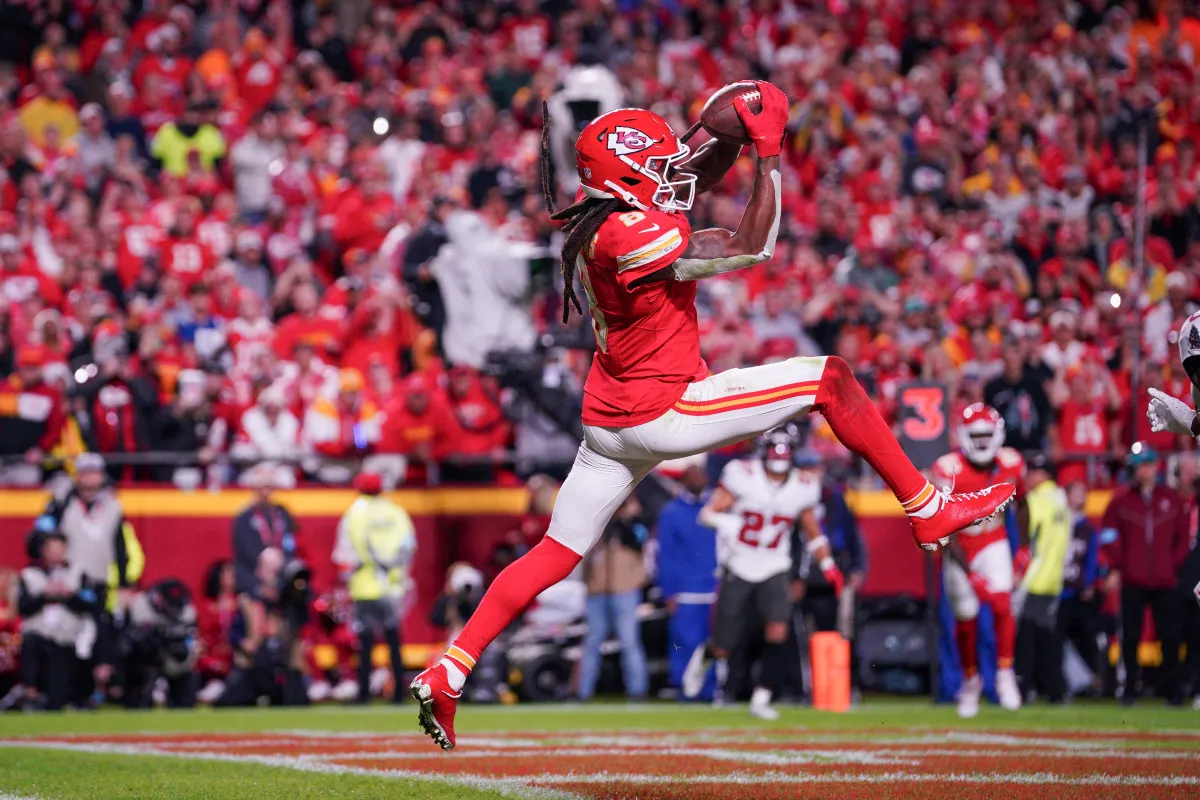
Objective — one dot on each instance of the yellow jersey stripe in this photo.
(645, 255)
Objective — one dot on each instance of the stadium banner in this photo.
(183, 533)
(923, 413)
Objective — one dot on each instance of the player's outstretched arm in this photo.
(715, 513)
(818, 548)
(1168, 413)
(715, 251)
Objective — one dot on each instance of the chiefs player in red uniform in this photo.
(978, 567)
(649, 396)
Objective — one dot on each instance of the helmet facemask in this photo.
(981, 443)
(676, 194)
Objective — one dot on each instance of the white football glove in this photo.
(1168, 413)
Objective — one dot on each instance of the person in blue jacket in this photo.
(1079, 609)
(687, 573)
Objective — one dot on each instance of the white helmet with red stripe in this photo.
(981, 433)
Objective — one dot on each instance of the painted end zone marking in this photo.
(714, 764)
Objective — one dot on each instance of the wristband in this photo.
(816, 544)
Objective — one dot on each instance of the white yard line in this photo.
(518, 788)
(911, 764)
(751, 778)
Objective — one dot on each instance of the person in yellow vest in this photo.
(135, 564)
(375, 545)
(1047, 529)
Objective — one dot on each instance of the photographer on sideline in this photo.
(272, 616)
(90, 517)
(159, 641)
(57, 611)
(375, 545)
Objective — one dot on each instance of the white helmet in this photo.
(1189, 338)
(981, 433)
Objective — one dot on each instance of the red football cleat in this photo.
(960, 510)
(438, 703)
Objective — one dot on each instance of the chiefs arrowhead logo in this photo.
(624, 140)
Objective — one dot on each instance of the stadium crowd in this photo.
(275, 229)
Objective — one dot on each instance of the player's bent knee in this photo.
(965, 609)
(776, 632)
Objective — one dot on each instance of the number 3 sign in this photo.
(923, 409)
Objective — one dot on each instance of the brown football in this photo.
(720, 118)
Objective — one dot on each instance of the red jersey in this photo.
(647, 338)
(954, 469)
(140, 239)
(27, 280)
(1082, 432)
(188, 259)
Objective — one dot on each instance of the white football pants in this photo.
(730, 407)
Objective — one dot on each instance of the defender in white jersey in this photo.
(758, 509)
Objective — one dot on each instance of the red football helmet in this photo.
(981, 433)
(627, 154)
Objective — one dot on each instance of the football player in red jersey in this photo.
(978, 567)
(649, 396)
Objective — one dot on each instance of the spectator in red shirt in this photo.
(183, 254)
(1152, 528)
(165, 62)
(257, 67)
(306, 324)
(21, 279)
(216, 615)
(1089, 424)
(31, 417)
(367, 212)
(483, 428)
(419, 423)
(378, 330)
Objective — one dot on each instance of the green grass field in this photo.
(882, 748)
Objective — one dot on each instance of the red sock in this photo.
(857, 424)
(512, 592)
(1006, 629)
(966, 633)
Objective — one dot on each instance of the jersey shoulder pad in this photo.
(809, 493)
(736, 476)
(1011, 460)
(948, 465)
(642, 241)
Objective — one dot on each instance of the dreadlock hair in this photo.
(583, 219)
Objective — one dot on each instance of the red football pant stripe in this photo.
(748, 400)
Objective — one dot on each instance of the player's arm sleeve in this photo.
(655, 247)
